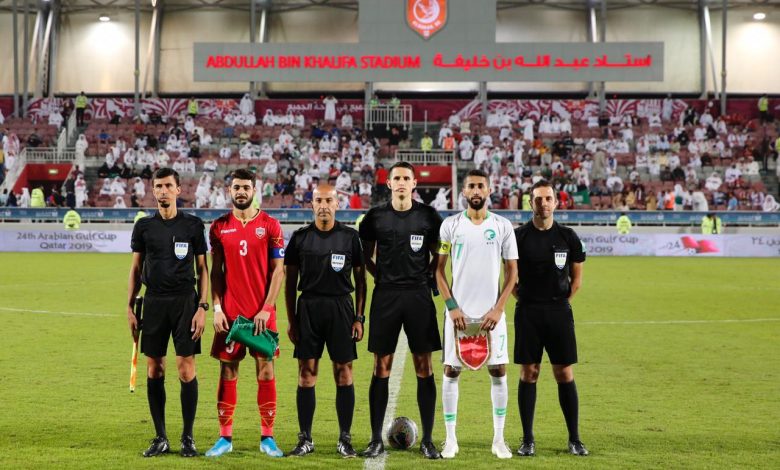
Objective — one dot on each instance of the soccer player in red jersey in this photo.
(247, 249)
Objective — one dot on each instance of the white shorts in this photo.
(498, 344)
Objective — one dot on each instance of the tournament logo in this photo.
(260, 232)
(180, 249)
(416, 241)
(337, 262)
(426, 17)
(560, 259)
(489, 234)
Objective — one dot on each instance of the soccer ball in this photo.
(402, 433)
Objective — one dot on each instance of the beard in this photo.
(165, 204)
(242, 205)
(477, 203)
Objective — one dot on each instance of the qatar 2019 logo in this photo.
(426, 17)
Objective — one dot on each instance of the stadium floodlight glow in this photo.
(760, 16)
(104, 18)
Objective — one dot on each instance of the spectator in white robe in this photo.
(706, 118)
(268, 118)
(246, 152)
(770, 204)
(713, 182)
(343, 182)
(732, 174)
(565, 126)
(225, 152)
(217, 199)
(246, 105)
(654, 121)
(109, 158)
(441, 201)
(2, 118)
(666, 108)
(189, 124)
(179, 164)
(285, 139)
(270, 169)
(120, 203)
(454, 119)
(614, 183)
(139, 187)
(80, 188)
(330, 107)
(210, 165)
(173, 143)
(250, 120)
(365, 188)
(300, 121)
(230, 119)
(555, 125)
(24, 199)
(505, 133)
(544, 125)
(55, 119)
(117, 187)
(81, 146)
(466, 149)
(593, 122)
(699, 201)
(444, 132)
(266, 152)
(346, 121)
(143, 116)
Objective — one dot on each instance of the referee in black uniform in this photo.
(168, 248)
(404, 234)
(550, 274)
(324, 255)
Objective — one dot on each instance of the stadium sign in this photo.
(408, 42)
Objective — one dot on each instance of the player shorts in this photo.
(165, 316)
(325, 321)
(233, 351)
(547, 327)
(412, 309)
(498, 344)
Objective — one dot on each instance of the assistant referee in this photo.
(325, 255)
(550, 274)
(167, 246)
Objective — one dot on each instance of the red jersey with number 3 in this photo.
(247, 251)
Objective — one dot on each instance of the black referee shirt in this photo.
(324, 259)
(403, 240)
(169, 248)
(544, 263)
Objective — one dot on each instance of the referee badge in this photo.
(560, 259)
(416, 241)
(337, 262)
(260, 232)
(180, 249)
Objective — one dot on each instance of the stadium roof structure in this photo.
(282, 6)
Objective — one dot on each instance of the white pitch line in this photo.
(50, 312)
(394, 387)
(678, 322)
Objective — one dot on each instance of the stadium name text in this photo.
(312, 62)
(371, 62)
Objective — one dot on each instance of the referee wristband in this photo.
(451, 304)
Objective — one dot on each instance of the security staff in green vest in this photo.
(72, 220)
(140, 215)
(358, 220)
(395, 102)
(526, 202)
(623, 224)
(37, 199)
(374, 101)
(81, 107)
(192, 107)
(711, 224)
(763, 108)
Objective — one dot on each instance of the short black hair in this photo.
(243, 174)
(477, 173)
(166, 172)
(543, 183)
(401, 164)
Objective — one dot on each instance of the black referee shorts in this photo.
(325, 321)
(411, 309)
(547, 327)
(165, 316)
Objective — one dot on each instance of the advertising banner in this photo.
(61, 241)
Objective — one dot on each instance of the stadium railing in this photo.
(389, 115)
(421, 157)
(647, 218)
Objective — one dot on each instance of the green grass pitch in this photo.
(654, 392)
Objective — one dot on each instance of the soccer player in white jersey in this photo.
(475, 330)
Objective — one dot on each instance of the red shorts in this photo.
(233, 351)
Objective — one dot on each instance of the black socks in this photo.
(426, 401)
(306, 401)
(189, 404)
(377, 402)
(155, 393)
(567, 396)
(526, 400)
(345, 406)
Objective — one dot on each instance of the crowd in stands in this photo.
(697, 162)
(624, 163)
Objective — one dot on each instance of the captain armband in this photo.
(444, 247)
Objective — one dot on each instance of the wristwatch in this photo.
(360, 318)
(204, 306)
